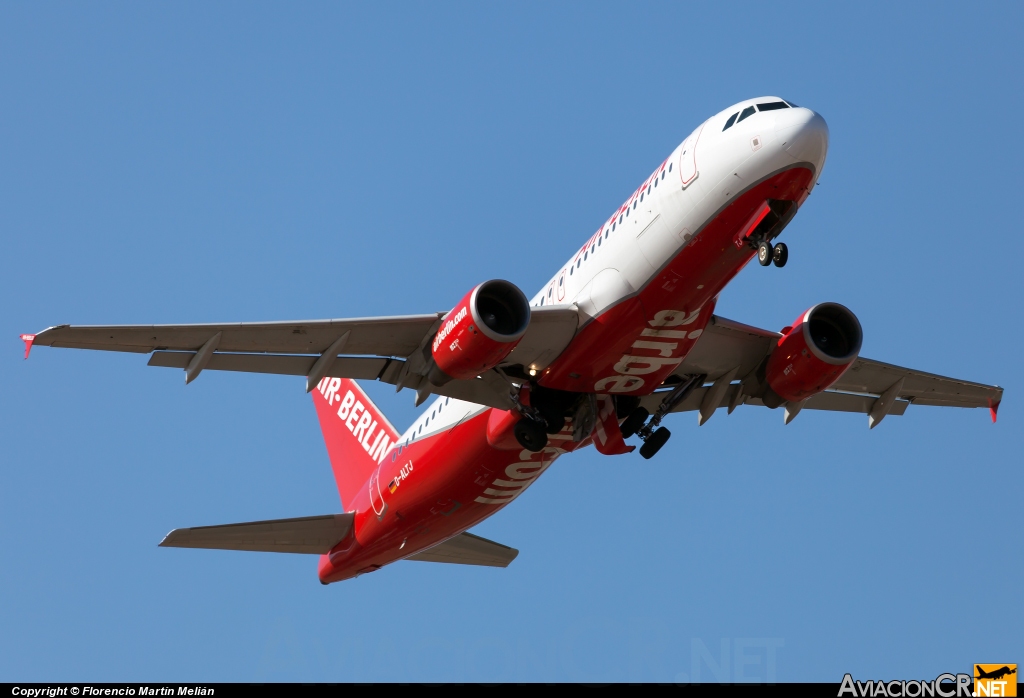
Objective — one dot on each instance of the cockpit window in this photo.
(731, 121)
(771, 106)
(746, 112)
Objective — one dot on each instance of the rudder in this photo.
(357, 434)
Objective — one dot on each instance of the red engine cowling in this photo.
(813, 353)
(479, 331)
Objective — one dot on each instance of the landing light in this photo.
(533, 372)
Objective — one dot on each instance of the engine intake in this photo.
(479, 332)
(813, 353)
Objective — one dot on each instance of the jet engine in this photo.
(479, 332)
(812, 354)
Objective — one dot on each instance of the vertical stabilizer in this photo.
(357, 434)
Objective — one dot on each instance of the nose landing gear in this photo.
(781, 254)
(768, 253)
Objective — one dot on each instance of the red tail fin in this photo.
(358, 435)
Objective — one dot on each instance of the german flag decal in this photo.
(392, 486)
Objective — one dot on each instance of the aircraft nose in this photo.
(804, 133)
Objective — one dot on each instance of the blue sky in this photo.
(197, 162)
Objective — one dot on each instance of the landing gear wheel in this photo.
(633, 422)
(654, 443)
(530, 435)
(781, 254)
(765, 251)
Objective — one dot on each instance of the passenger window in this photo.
(731, 121)
(641, 196)
(591, 249)
(746, 112)
(578, 263)
(585, 256)
(627, 213)
(670, 167)
(570, 270)
(613, 225)
(620, 218)
(606, 234)
(772, 106)
(663, 174)
(560, 281)
(542, 300)
(599, 242)
(655, 182)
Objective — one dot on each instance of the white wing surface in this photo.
(727, 346)
(389, 349)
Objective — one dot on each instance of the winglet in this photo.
(993, 407)
(28, 339)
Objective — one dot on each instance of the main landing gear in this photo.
(768, 253)
(653, 434)
(531, 434)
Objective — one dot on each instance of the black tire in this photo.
(633, 422)
(781, 255)
(530, 435)
(765, 251)
(654, 443)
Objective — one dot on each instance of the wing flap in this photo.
(829, 400)
(367, 368)
(309, 535)
(467, 549)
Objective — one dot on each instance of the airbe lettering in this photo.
(450, 325)
(357, 419)
(654, 339)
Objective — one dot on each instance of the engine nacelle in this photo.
(479, 332)
(813, 353)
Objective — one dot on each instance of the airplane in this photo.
(995, 674)
(621, 336)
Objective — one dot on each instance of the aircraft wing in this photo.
(727, 347)
(377, 348)
(467, 549)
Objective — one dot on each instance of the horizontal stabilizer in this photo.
(467, 549)
(310, 534)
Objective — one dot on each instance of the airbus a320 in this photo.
(623, 335)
